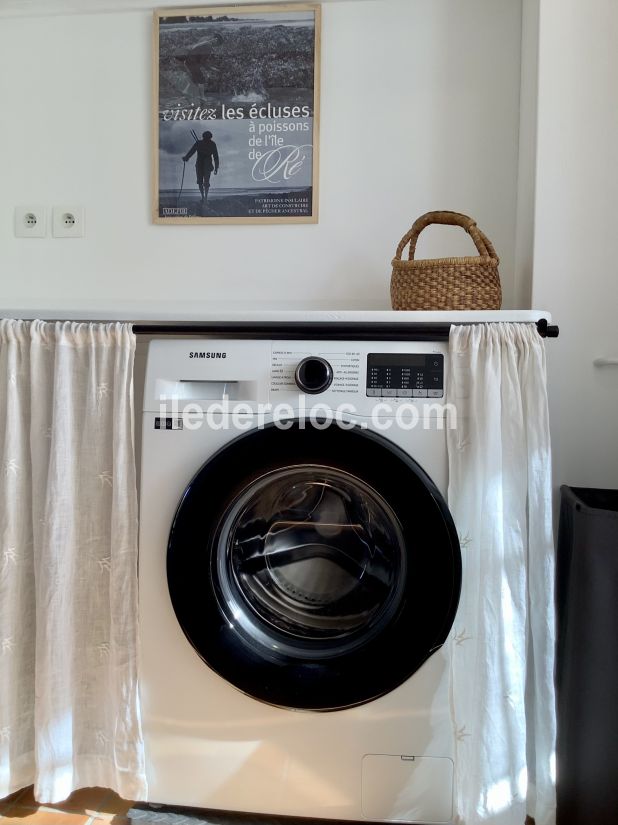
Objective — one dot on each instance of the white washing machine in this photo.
(298, 577)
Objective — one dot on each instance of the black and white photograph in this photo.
(237, 115)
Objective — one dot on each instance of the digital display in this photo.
(383, 359)
(405, 376)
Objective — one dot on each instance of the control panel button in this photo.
(388, 393)
(404, 393)
(373, 393)
(435, 393)
(419, 393)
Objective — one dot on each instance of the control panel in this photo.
(295, 366)
(403, 375)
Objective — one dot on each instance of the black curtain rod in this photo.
(547, 330)
(327, 330)
(324, 330)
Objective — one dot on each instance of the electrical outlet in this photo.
(30, 222)
(68, 221)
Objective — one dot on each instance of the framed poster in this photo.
(236, 94)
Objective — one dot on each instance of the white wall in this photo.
(575, 261)
(526, 181)
(420, 110)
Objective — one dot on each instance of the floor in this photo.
(99, 806)
(89, 806)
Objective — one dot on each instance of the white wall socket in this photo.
(68, 221)
(30, 222)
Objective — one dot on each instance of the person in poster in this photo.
(248, 77)
(206, 162)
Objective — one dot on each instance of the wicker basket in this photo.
(446, 283)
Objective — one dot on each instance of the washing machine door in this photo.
(313, 569)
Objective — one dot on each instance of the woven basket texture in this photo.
(446, 283)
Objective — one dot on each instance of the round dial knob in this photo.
(314, 375)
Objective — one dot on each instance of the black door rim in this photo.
(315, 678)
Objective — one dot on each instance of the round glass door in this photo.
(310, 561)
(313, 569)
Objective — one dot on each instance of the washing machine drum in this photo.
(313, 569)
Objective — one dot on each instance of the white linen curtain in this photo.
(69, 713)
(503, 640)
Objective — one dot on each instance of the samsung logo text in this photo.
(208, 355)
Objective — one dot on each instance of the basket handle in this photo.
(481, 241)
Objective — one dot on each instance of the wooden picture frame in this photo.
(236, 93)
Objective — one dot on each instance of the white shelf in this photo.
(197, 313)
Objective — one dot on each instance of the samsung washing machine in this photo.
(299, 574)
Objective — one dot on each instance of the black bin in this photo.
(587, 657)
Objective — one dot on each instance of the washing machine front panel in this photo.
(302, 562)
(209, 741)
